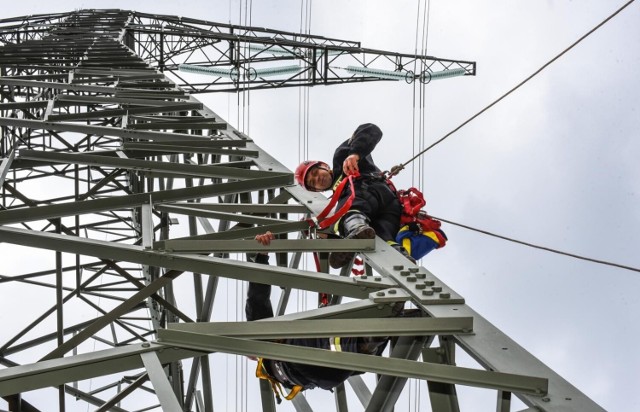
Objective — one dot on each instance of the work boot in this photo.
(355, 227)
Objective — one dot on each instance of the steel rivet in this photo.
(445, 295)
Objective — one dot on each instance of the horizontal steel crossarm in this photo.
(96, 130)
(246, 207)
(244, 233)
(186, 25)
(98, 100)
(55, 372)
(56, 85)
(127, 201)
(254, 272)
(288, 245)
(232, 217)
(191, 123)
(359, 309)
(320, 328)
(176, 148)
(358, 362)
(99, 114)
(185, 143)
(147, 165)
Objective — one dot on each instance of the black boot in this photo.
(354, 226)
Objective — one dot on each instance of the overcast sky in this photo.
(554, 164)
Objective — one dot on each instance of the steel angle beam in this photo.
(489, 346)
(496, 351)
(289, 245)
(99, 114)
(294, 278)
(99, 100)
(359, 309)
(358, 362)
(236, 233)
(231, 217)
(244, 208)
(114, 203)
(55, 372)
(325, 328)
(160, 123)
(158, 378)
(94, 130)
(209, 171)
(204, 147)
(389, 388)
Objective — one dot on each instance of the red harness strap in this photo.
(322, 221)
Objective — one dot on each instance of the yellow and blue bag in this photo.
(421, 237)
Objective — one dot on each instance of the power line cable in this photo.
(602, 262)
(396, 169)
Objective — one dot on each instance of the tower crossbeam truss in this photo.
(126, 204)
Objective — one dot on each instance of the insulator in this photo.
(426, 76)
(231, 73)
(408, 76)
(271, 71)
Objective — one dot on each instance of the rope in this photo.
(602, 262)
(396, 169)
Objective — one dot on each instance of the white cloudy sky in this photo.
(554, 164)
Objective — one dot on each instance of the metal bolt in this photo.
(379, 293)
(427, 292)
(437, 288)
(404, 273)
(392, 291)
(363, 277)
(429, 282)
(411, 279)
(398, 267)
(413, 269)
(421, 275)
(445, 295)
(377, 279)
(420, 286)
(546, 400)
(146, 345)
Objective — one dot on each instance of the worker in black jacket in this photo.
(296, 376)
(375, 208)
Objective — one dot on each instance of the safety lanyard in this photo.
(261, 373)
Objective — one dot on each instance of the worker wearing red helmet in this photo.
(375, 208)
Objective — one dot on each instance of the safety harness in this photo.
(323, 221)
(276, 386)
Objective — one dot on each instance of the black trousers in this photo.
(375, 199)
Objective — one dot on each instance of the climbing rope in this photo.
(396, 169)
(602, 262)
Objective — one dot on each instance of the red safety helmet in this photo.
(304, 167)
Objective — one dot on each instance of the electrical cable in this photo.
(396, 169)
(602, 262)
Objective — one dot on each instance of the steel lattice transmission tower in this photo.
(102, 153)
